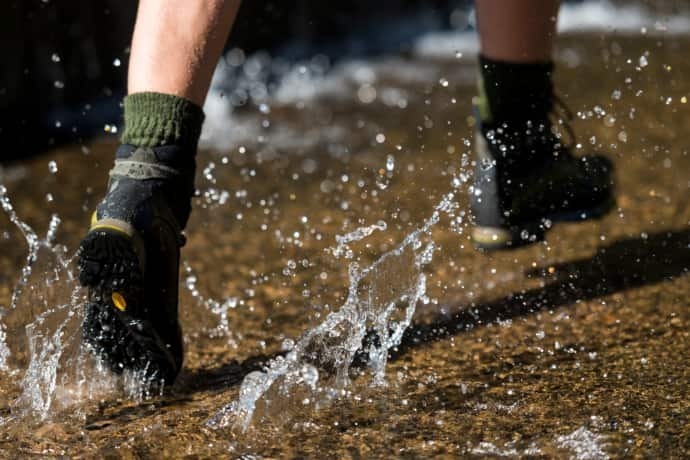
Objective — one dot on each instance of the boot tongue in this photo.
(143, 164)
(145, 155)
(167, 171)
(171, 156)
(175, 156)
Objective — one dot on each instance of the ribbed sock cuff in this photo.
(514, 91)
(154, 119)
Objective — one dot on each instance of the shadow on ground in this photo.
(622, 265)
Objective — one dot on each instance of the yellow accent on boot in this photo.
(119, 301)
(111, 224)
(491, 236)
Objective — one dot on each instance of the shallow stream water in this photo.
(329, 214)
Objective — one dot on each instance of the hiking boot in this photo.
(129, 261)
(526, 180)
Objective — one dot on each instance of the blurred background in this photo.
(65, 62)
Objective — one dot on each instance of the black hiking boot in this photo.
(526, 180)
(129, 261)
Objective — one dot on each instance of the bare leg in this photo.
(517, 30)
(176, 45)
(129, 259)
(526, 185)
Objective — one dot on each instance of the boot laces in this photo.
(560, 117)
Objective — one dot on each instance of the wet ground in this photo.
(577, 347)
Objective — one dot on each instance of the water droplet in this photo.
(287, 345)
(390, 163)
(366, 94)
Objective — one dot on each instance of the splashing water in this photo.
(585, 444)
(46, 348)
(34, 244)
(382, 298)
(4, 349)
(342, 248)
(31, 239)
(43, 304)
(219, 308)
(40, 331)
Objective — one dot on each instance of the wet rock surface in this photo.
(576, 347)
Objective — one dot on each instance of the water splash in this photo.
(342, 248)
(219, 308)
(46, 349)
(43, 307)
(40, 337)
(584, 444)
(485, 449)
(32, 241)
(381, 301)
(4, 349)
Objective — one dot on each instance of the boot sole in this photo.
(487, 238)
(110, 268)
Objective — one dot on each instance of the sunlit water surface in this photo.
(331, 301)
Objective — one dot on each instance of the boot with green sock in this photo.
(129, 259)
(526, 177)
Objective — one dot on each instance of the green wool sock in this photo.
(154, 119)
